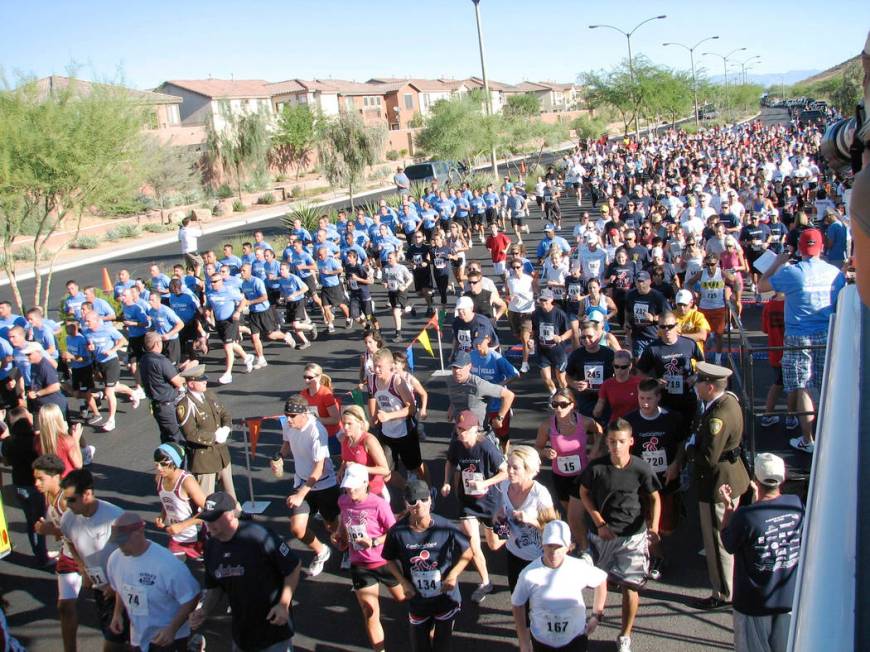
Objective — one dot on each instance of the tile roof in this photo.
(223, 88)
(48, 85)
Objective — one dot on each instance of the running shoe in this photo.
(316, 566)
(524, 369)
(480, 593)
(95, 420)
(330, 327)
(260, 363)
(313, 333)
(88, 455)
(623, 644)
(791, 423)
(109, 426)
(770, 420)
(801, 445)
(249, 363)
(303, 346)
(226, 379)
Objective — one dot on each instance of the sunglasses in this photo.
(163, 463)
(667, 327)
(474, 280)
(622, 366)
(561, 404)
(515, 267)
(416, 503)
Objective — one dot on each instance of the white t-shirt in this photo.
(522, 296)
(525, 540)
(556, 609)
(153, 586)
(187, 236)
(90, 536)
(309, 445)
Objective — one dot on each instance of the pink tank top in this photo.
(360, 455)
(571, 456)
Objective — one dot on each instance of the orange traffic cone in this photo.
(107, 281)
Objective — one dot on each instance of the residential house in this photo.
(205, 101)
(498, 91)
(317, 94)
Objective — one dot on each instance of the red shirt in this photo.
(497, 245)
(322, 401)
(773, 323)
(621, 397)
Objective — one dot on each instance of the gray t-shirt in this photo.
(472, 395)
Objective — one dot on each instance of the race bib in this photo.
(641, 312)
(418, 259)
(353, 284)
(464, 339)
(356, 533)
(713, 295)
(593, 267)
(393, 285)
(569, 464)
(674, 383)
(97, 575)
(594, 374)
(548, 333)
(469, 480)
(558, 627)
(135, 599)
(427, 583)
(440, 263)
(657, 459)
(558, 291)
(575, 292)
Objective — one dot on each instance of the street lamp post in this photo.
(724, 58)
(692, 60)
(488, 103)
(743, 67)
(627, 36)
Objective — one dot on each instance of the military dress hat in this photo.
(196, 372)
(712, 372)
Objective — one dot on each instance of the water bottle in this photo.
(277, 465)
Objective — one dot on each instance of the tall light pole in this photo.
(692, 60)
(627, 36)
(488, 103)
(744, 67)
(724, 58)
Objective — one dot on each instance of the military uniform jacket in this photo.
(718, 430)
(198, 421)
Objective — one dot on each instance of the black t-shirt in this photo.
(20, 451)
(666, 290)
(425, 558)
(765, 539)
(638, 254)
(480, 462)
(575, 287)
(638, 306)
(464, 332)
(671, 363)
(656, 441)
(251, 569)
(623, 275)
(594, 368)
(753, 235)
(548, 326)
(418, 254)
(156, 371)
(361, 289)
(616, 493)
(42, 375)
(482, 302)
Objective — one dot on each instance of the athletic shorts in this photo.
(577, 644)
(716, 318)
(172, 350)
(323, 501)
(192, 549)
(422, 279)
(83, 378)
(312, 285)
(472, 509)
(517, 219)
(520, 322)
(135, 348)
(228, 330)
(565, 486)
(502, 433)
(360, 305)
(110, 370)
(491, 215)
(552, 356)
(262, 322)
(294, 311)
(332, 296)
(477, 219)
(499, 268)
(406, 449)
(624, 559)
(362, 577)
(68, 585)
(803, 368)
(105, 610)
(398, 299)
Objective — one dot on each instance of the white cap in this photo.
(464, 303)
(769, 469)
(32, 347)
(684, 296)
(558, 533)
(355, 476)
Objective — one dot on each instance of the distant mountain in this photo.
(831, 72)
(769, 79)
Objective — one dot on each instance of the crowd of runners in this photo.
(622, 313)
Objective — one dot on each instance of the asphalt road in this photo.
(326, 612)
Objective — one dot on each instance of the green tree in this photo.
(614, 89)
(241, 146)
(61, 154)
(295, 137)
(523, 105)
(666, 93)
(588, 127)
(346, 146)
(457, 129)
(168, 169)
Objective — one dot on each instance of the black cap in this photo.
(416, 490)
(216, 505)
(296, 405)
(461, 359)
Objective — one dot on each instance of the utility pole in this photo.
(488, 103)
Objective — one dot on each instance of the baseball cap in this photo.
(296, 405)
(215, 506)
(684, 297)
(546, 293)
(355, 476)
(549, 227)
(479, 338)
(596, 315)
(464, 303)
(125, 525)
(417, 490)
(643, 276)
(467, 419)
(769, 469)
(556, 533)
(592, 238)
(811, 242)
(461, 359)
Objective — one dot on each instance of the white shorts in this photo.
(499, 268)
(68, 586)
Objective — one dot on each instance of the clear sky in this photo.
(147, 43)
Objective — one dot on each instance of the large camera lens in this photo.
(837, 142)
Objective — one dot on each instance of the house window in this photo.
(348, 103)
(173, 115)
(409, 101)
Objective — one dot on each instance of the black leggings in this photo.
(424, 640)
(441, 281)
(578, 644)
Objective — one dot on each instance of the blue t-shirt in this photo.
(248, 258)
(328, 265)
(45, 337)
(258, 269)
(120, 286)
(545, 244)
(224, 302)
(72, 305)
(233, 262)
(160, 283)
(301, 258)
(103, 339)
(478, 205)
(22, 362)
(429, 216)
(446, 208)
(289, 285)
(301, 234)
(77, 346)
(495, 368)
(184, 305)
(134, 312)
(254, 288)
(490, 199)
(360, 252)
(10, 322)
(463, 206)
(5, 352)
(811, 288)
(836, 233)
(163, 320)
(331, 247)
(262, 244)
(272, 269)
(103, 308)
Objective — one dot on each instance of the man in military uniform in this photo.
(206, 424)
(718, 433)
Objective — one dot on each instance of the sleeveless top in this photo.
(178, 509)
(53, 513)
(570, 450)
(712, 290)
(360, 455)
(388, 400)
